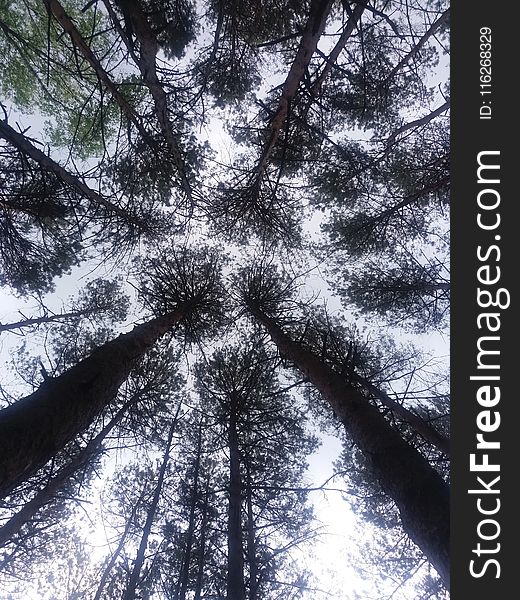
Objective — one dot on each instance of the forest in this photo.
(224, 254)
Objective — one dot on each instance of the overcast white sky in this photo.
(331, 554)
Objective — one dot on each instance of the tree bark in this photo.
(419, 492)
(56, 483)
(130, 592)
(53, 318)
(340, 45)
(185, 568)
(34, 428)
(235, 566)
(418, 122)
(148, 48)
(442, 20)
(20, 142)
(313, 30)
(59, 13)
(429, 433)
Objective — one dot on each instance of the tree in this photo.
(45, 219)
(41, 72)
(164, 142)
(120, 215)
(115, 555)
(128, 499)
(39, 239)
(59, 480)
(37, 426)
(142, 404)
(101, 299)
(394, 565)
(252, 199)
(194, 498)
(419, 492)
(373, 367)
(191, 538)
(265, 445)
(130, 592)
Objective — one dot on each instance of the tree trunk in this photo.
(419, 492)
(20, 142)
(56, 9)
(418, 122)
(340, 45)
(56, 483)
(148, 48)
(442, 20)
(139, 559)
(117, 552)
(185, 569)
(235, 566)
(251, 541)
(53, 318)
(201, 559)
(313, 30)
(33, 429)
(429, 433)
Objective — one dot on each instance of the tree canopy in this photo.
(224, 229)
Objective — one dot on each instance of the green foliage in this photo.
(410, 293)
(186, 279)
(39, 238)
(42, 71)
(356, 143)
